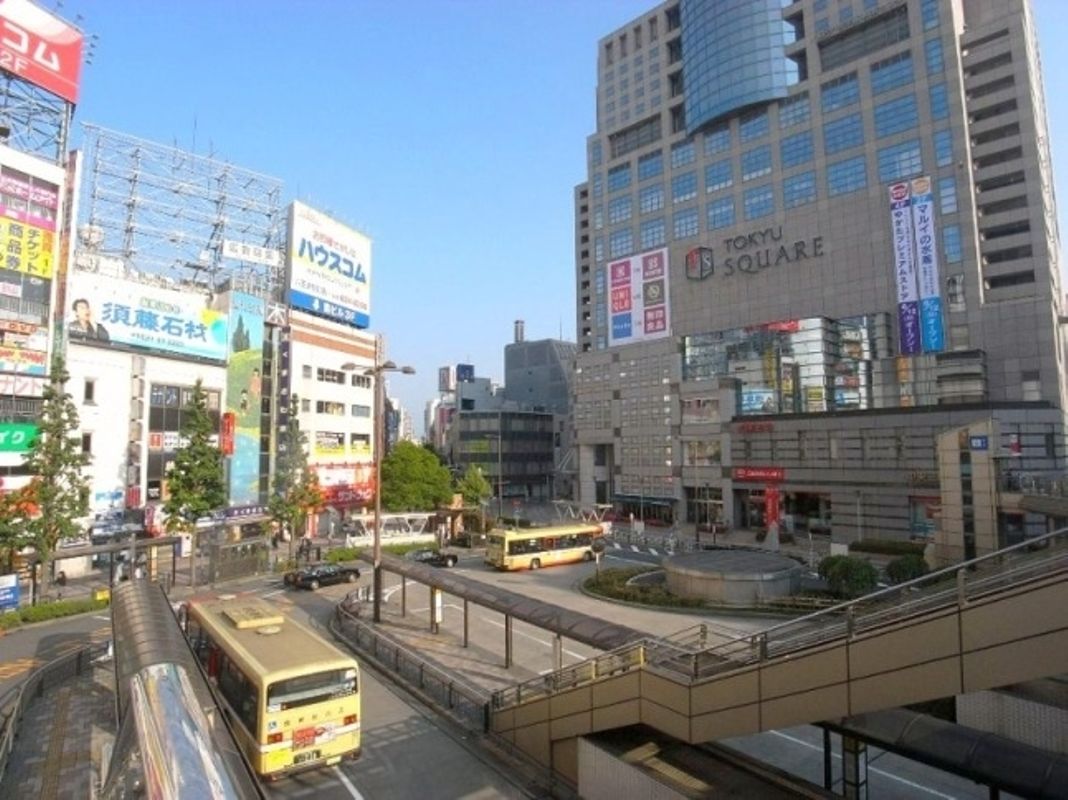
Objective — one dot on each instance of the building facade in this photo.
(813, 237)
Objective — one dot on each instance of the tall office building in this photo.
(815, 240)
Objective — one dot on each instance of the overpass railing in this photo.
(687, 659)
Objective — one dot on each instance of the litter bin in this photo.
(101, 593)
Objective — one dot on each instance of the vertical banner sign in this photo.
(640, 308)
(771, 505)
(927, 258)
(244, 393)
(908, 312)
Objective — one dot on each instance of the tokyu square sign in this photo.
(16, 437)
(750, 253)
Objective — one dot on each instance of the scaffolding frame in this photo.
(37, 121)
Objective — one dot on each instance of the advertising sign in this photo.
(107, 311)
(9, 591)
(244, 393)
(927, 263)
(758, 401)
(329, 443)
(759, 474)
(446, 379)
(329, 267)
(908, 311)
(465, 373)
(16, 437)
(639, 298)
(346, 485)
(40, 48)
(252, 253)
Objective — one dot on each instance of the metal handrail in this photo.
(17, 699)
(934, 590)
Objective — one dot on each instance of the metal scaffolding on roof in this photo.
(36, 121)
(163, 214)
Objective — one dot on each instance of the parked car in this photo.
(321, 575)
(434, 558)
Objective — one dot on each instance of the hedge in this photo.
(612, 583)
(46, 611)
(847, 576)
(888, 547)
(906, 568)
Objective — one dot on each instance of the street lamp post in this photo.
(376, 372)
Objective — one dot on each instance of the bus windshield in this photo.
(307, 689)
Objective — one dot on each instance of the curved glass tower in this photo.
(732, 56)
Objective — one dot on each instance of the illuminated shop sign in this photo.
(750, 253)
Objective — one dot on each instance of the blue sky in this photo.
(450, 131)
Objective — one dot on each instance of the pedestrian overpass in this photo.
(992, 621)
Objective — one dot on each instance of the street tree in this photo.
(476, 491)
(296, 491)
(57, 498)
(195, 484)
(413, 479)
(15, 512)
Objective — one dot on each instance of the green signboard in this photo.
(16, 437)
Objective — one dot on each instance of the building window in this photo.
(682, 154)
(822, 25)
(841, 134)
(947, 195)
(799, 189)
(796, 149)
(929, 13)
(87, 443)
(753, 125)
(845, 14)
(718, 139)
(306, 371)
(598, 249)
(305, 405)
(684, 187)
(951, 244)
(685, 223)
(794, 110)
(651, 198)
(619, 178)
(756, 162)
(936, 62)
(620, 243)
(598, 217)
(619, 210)
(653, 233)
(955, 298)
(360, 410)
(943, 146)
(650, 165)
(330, 407)
(89, 392)
(899, 161)
(330, 376)
(721, 213)
(598, 186)
(759, 201)
(718, 175)
(840, 93)
(895, 116)
(939, 101)
(596, 154)
(890, 73)
(846, 176)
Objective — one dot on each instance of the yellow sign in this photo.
(26, 248)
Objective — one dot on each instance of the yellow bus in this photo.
(294, 698)
(534, 548)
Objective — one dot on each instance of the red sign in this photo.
(40, 48)
(756, 427)
(226, 441)
(771, 505)
(133, 496)
(760, 474)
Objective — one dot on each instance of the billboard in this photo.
(639, 298)
(329, 268)
(105, 311)
(244, 393)
(908, 311)
(446, 379)
(923, 228)
(465, 373)
(346, 485)
(40, 48)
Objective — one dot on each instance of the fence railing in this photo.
(16, 701)
(690, 661)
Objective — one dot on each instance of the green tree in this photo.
(15, 512)
(906, 568)
(474, 487)
(59, 490)
(195, 483)
(413, 479)
(847, 576)
(296, 491)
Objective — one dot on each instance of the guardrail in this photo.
(467, 703)
(15, 701)
(691, 662)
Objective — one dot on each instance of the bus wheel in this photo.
(587, 556)
(535, 563)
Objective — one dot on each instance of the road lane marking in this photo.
(275, 592)
(341, 776)
(102, 616)
(876, 770)
(571, 653)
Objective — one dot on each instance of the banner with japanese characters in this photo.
(923, 228)
(908, 306)
(639, 298)
(108, 312)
